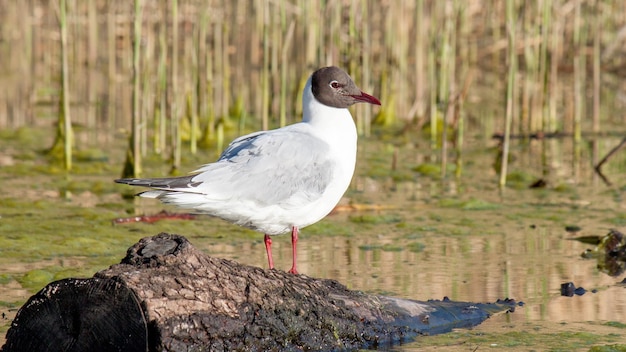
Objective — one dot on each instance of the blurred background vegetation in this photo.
(175, 75)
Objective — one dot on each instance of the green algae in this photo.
(330, 227)
(616, 324)
(5, 279)
(470, 204)
(519, 179)
(430, 170)
(387, 247)
(375, 218)
(91, 155)
(619, 220)
(26, 136)
(36, 279)
(608, 348)
(369, 247)
(416, 247)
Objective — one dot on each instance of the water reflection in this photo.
(528, 265)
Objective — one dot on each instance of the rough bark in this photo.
(166, 295)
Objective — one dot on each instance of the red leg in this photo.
(268, 249)
(294, 242)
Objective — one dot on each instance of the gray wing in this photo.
(286, 166)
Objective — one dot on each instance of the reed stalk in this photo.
(137, 120)
(311, 31)
(201, 59)
(190, 112)
(596, 59)
(532, 76)
(149, 89)
(545, 95)
(447, 80)
(597, 37)
(64, 138)
(444, 59)
(265, 70)
(420, 79)
(366, 68)
(580, 76)
(579, 72)
(432, 84)
(226, 76)
(335, 45)
(160, 118)
(460, 130)
(210, 123)
(284, 86)
(92, 57)
(549, 119)
(111, 68)
(218, 69)
(459, 110)
(67, 119)
(510, 94)
(353, 48)
(432, 81)
(28, 65)
(174, 116)
(192, 89)
(495, 24)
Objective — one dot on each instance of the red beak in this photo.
(366, 98)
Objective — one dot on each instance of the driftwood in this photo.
(166, 295)
(598, 167)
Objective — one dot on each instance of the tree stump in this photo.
(165, 295)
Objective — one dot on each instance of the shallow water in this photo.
(397, 232)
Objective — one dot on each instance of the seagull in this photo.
(281, 180)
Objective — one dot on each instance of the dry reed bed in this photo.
(201, 66)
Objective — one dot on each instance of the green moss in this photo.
(36, 278)
(564, 188)
(616, 324)
(369, 247)
(330, 228)
(619, 220)
(479, 204)
(402, 176)
(5, 279)
(392, 248)
(472, 204)
(431, 170)
(416, 247)
(519, 179)
(608, 348)
(91, 155)
(375, 219)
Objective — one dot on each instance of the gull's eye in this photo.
(335, 85)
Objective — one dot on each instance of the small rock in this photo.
(567, 289)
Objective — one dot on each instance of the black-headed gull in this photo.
(280, 180)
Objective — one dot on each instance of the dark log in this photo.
(166, 295)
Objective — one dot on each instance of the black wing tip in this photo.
(160, 183)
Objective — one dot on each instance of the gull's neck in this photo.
(333, 123)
